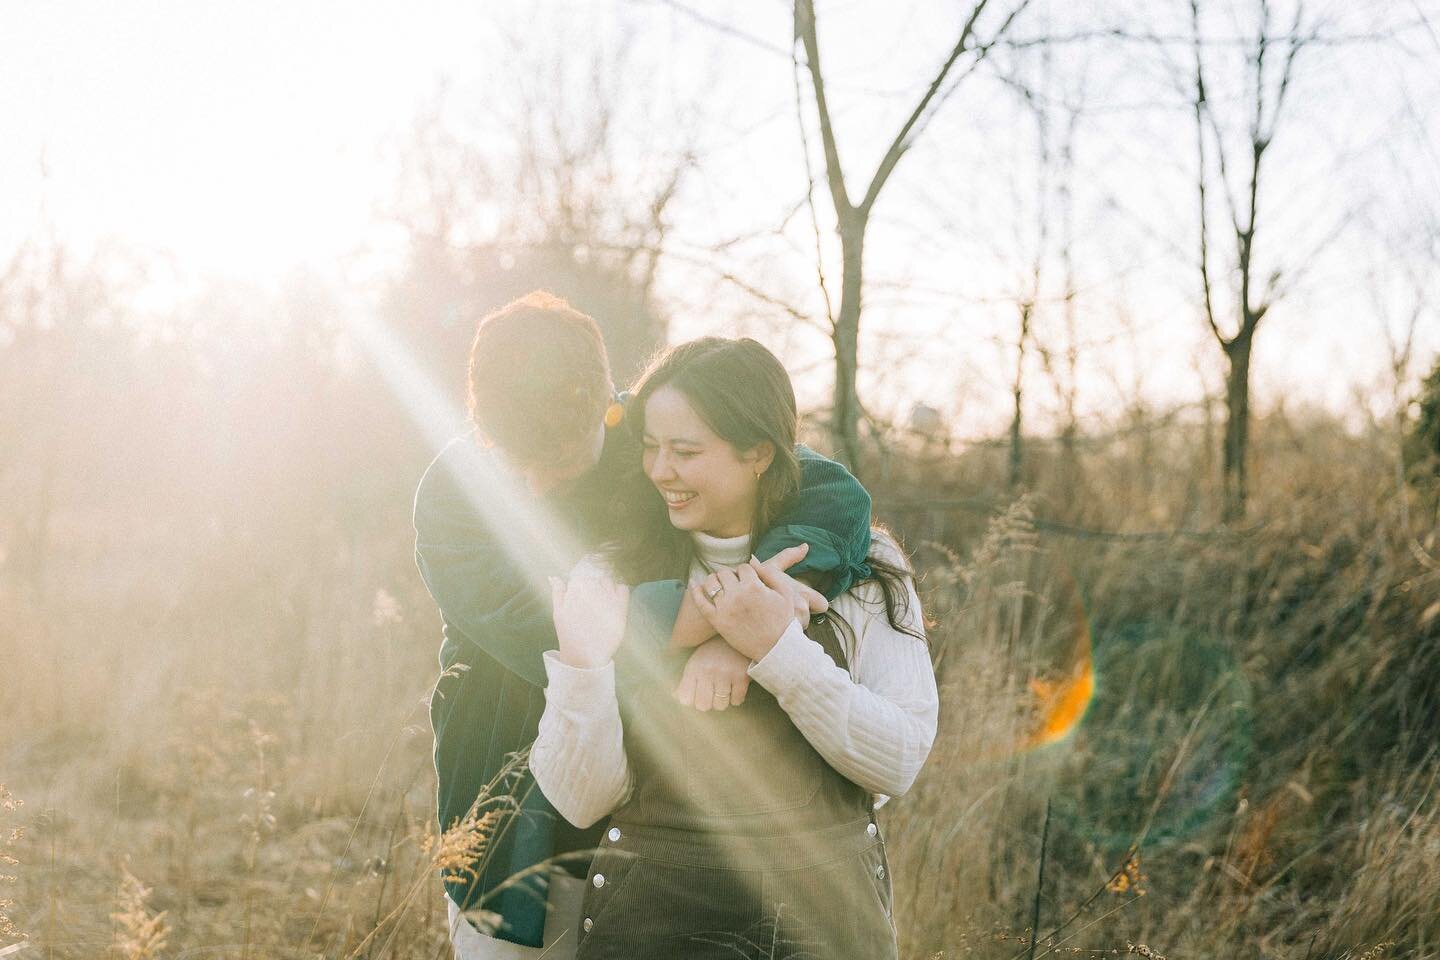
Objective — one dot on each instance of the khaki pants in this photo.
(562, 924)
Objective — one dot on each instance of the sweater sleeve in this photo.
(578, 758)
(876, 727)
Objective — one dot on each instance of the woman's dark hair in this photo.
(742, 393)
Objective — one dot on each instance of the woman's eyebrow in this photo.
(651, 438)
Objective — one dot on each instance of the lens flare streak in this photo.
(532, 538)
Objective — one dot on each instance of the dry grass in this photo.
(9, 836)
(139, 933)
(222, 749)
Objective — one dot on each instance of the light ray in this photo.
(532, 537)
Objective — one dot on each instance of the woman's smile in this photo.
(721, 483)
(678, 499)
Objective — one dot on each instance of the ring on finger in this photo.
(712, 594)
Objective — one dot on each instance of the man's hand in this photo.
(715, 677)
(749, 613)
(590, 613)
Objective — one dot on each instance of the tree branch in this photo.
(1201, 176)
(918, 118)
(810, 192)
(805, 31)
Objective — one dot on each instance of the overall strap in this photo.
(823, 630)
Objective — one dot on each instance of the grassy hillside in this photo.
(214, 738)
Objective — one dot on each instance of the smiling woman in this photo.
(746, 825)
(723, 486)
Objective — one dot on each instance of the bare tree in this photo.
(1237, 172)
(1050, 243)
(1026, 308)
(1062, 366)
(853, 217)
(1400, 349)
(554, 203)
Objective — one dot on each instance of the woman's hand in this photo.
(744, 609)
(590, 613)
(715, 677)
(692, 629)
(804, 599)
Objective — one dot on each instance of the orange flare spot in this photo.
(1062, 703)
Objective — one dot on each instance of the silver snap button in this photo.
(879, 873)
(614, 834)
(871, 829)
(588, 924)
(599, 880)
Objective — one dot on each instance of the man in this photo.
(496, 513)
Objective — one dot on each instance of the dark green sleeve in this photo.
(485, 600)
(831, 512)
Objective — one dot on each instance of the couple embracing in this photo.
(719, 691)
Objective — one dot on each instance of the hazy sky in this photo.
(249, 139)
(241, 137)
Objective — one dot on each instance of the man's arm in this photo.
(485, 599)
(488, 603)
(831, 512)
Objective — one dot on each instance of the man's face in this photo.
(567, 464)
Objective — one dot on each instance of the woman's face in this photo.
(707, 484)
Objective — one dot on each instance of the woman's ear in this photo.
(760, 457)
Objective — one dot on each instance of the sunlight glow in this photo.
(533, 539)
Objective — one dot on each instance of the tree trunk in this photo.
(1017, 392)
(1237, 427)
(1017, 455)
(1069, 455)
(845, 408)
(1402, 489)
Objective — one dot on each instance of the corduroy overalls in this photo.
(739, 840)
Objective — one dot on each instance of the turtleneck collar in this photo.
(730, 551)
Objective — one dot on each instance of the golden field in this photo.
(216, 653)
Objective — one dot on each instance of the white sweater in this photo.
(874, 724)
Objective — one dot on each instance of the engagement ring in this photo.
(712, 594)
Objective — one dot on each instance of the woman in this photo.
(748, 832)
